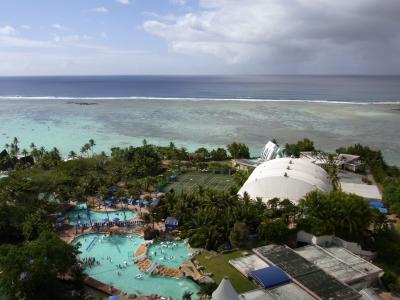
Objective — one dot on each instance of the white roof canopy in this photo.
(286, 178)
(225, 291)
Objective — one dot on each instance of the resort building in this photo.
(285, 178)
(274, 283)
(289, 291)
(305, 274)
(246, 164)
(342, 264)
(347, 162)
(247, 264)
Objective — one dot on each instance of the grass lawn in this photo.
(190, 180)
(220, 267)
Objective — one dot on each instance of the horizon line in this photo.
(201, 75)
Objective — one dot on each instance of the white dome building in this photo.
(285, 178)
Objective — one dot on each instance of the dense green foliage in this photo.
(211, 219)
(387, 176)
(35, 270)
(300, 146)
(344, 215)
(31, 195)
(238, 150)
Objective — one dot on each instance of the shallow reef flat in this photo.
(210, 123)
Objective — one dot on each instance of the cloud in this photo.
(154, 15)
(16, 42)
(58, 26)
(26, 27)
(104, 35)
(100, 9)
(8, 30)
(295, 36)
(125, 2)
(178, 2)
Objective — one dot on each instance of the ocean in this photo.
(196, 111)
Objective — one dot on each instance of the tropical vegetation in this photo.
(35, 190)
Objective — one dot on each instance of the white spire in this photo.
(225, 291)
(271, 151)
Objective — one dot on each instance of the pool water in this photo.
(170, 254)
(121, 249)
(80, 214)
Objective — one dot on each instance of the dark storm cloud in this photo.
(279, 36)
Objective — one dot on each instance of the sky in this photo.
(104, 37)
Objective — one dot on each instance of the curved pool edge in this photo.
(113, 290)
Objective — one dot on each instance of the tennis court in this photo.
(191, 180)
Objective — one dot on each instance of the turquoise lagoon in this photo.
(192, 124)
(121, 249)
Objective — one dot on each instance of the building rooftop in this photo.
(246, 264)
(339, 262)
(322, 158)
(248, 162)
(225, 291)
(288, 291)
(285, 178)
(270, 277)
(305, 273)
(366, 191)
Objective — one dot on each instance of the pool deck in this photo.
(111, 291)
(102, 287)
(70, 234)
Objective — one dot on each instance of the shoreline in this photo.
(195, 99)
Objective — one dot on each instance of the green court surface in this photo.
(191, 180)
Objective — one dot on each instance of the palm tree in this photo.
(334, 178)
(187, 295)
(72, 154)
(14, 150)
(32, 146)
(7, 146)
(92, 144)
(84, 149)
(121, 194)
(24, 152)
(103, 191)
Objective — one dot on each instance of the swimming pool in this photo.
(121, 249)
(169, 254)
(80, 214)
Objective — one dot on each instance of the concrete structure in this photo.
(342, 264)
(369, 192)
(285, 178)
(246, 164)
(348, 162)
(351, 163)
(288, 291)
(225, 291)
(331, 240)
(246, 264)
(271, 151)
(305, 274)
